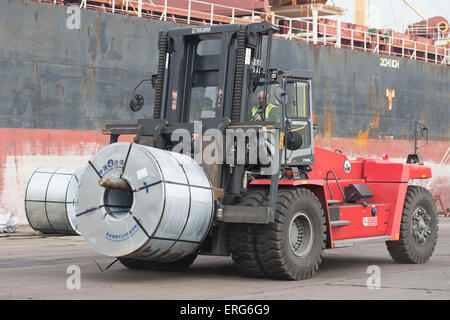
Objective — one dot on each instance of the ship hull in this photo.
(59, 87)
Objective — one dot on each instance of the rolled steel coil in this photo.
(163, 215)
(50, 200)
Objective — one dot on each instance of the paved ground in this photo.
(36, 267)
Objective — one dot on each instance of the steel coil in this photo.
(165, 213)
(50, 200)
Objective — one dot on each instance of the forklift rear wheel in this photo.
(418, 228)
(291, 247)
(178, 265)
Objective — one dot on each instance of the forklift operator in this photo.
(273, 112)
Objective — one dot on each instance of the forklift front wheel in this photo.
(301, 234)
(291, 247)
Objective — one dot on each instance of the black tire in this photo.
(411, 246)
(133, 263)
(178, 265)
(241, 239)
(298, 261)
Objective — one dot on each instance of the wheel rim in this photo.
(421, 225)
(300, 234)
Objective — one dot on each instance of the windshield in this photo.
(273, 109)
(203, 103)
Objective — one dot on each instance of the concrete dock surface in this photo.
(37, 266)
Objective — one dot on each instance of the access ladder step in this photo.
(339, 223)
(352, 242)
(334, 201)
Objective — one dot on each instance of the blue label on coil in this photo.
(122, 236)
(109, 165)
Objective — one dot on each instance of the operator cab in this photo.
(288, 102)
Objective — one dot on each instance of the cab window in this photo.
(298, 110)
(298, 100)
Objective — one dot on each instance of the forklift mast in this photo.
(209, 62)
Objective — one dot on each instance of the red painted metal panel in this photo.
(418, 171)
(315, 182)
(362, 222)
(326, 160)
(385, 171)
(394, 194)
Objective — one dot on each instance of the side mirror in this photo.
(137, 102)
(293, 140)
(281, 95)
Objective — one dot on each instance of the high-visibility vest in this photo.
(268, 109)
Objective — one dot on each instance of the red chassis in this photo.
(376, 219)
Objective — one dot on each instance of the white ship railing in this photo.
(312, 30)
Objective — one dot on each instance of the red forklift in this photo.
(275, 223)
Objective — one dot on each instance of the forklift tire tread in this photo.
(241, 239)
(273, 240)
(178, 265)
(406, 249)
